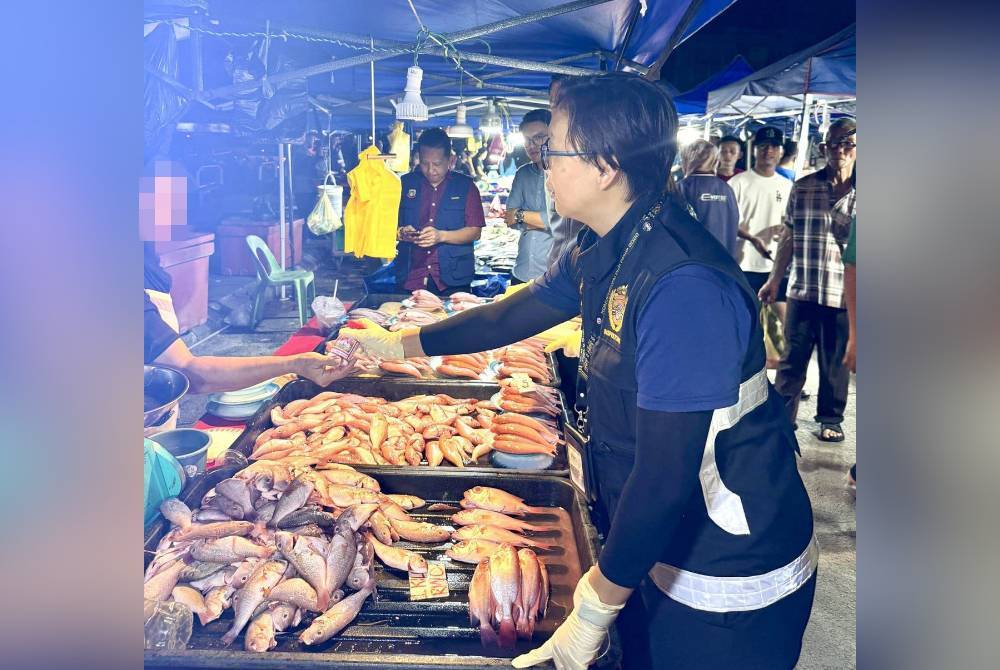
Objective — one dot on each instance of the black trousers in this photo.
(809, 325)
(611, 468)
(681, 637)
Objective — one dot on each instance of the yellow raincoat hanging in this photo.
(372, 211)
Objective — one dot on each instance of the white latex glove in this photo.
(577, 641)
(570, 344)
(376, 340)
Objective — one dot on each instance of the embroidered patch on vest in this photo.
(411, 194)
(617, 302)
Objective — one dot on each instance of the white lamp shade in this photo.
(461, 128)
(412, 107)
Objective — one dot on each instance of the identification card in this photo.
(575, 468)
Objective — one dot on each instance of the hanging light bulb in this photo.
(490, 124)
(412, 107)
(461, 128)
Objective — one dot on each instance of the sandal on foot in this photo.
(837, 436)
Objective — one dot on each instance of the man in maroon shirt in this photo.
(730, 152)
(440, 217)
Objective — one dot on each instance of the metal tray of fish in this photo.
(397, 390)
(392, 631)
(376, 300)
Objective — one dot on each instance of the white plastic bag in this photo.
(328, 311)
(326, 215)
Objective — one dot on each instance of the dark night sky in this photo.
(763, 31)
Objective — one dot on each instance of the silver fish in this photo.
(209, 515)
(216, 579)
(295, 497)
(311, 564)
(246, 600)
(296, 592)
(228, 550)
(199, 570)
(197, 531)
(340, 559)
(176, 512)
(216, 600)
(237, 491)
(159, 586)
(260, 633)
(337, 617)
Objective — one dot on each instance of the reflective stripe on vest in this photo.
(736, 594)
(725, 507)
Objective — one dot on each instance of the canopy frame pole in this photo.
(692, 10)
(803, 141)
(282, 222)
(461, 36)
(620, 51)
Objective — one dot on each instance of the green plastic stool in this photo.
(270, 274)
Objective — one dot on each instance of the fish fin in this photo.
(230, 635)
(537, 510)
(508, 633)
(487, 635)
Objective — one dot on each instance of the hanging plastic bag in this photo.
(326, 215)
(329, 311)
(774, 339)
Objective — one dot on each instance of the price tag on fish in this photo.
(522, 383)
(432, 585)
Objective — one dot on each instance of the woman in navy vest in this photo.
(691, 455)
(440, 217)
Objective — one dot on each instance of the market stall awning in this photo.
(827, 71)
(695, 100)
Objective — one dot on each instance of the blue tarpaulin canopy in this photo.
(826, 71)
(278, 42)
(695, 100)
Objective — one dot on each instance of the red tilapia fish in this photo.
(481, 603)
(505, 585)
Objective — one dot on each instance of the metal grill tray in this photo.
(376, 300)
(391, 631)
(396, 390)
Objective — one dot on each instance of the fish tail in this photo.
(536, 510)
(487, 635)
(523, 628)
(230, 635)
(508, 633)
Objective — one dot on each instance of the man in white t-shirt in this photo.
(762, 196)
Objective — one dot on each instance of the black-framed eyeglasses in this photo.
(546, 152)
(846, 145)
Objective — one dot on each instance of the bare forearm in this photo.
(532, 220)
(461, 236)
(851, 297)
(784, 256)
(219, 373)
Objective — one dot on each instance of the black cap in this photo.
(769, 135)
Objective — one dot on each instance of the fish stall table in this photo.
(391, 630)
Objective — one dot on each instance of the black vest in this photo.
(457, 261)
(763, 520)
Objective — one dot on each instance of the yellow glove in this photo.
(569, 343)
(576, 643)
(376, 340)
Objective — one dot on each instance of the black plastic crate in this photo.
(395, 390)
(391, 631)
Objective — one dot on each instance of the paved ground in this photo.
(830, 639)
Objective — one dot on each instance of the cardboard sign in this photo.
(432, 585)
(522, 383)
